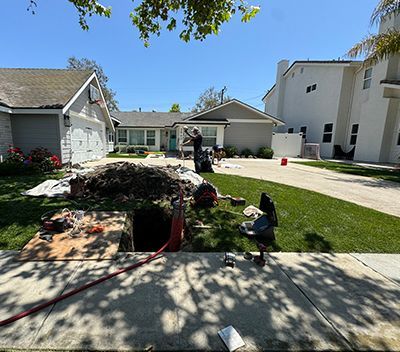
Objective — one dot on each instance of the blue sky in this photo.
(243, 57)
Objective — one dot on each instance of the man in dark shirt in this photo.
(197, 140)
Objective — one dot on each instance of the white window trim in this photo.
(331, 133)
(367, 79)
(354, 134)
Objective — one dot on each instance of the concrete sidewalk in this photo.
(380, 195)
(179, 302)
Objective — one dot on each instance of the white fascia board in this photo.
(250, 121)
(104, 108)
(78, 93)
(37, 111)
(5, 109)
(201, 122)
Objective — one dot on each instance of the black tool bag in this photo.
(268, 207)
(205, 161)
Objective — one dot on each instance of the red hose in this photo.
(82, 288)
(88, 285)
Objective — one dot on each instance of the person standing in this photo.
(197, 140)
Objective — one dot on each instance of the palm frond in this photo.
(384, 8)
(377, 47)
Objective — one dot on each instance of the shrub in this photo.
(140, 149)
(39, 155)
(265, 153)
(230, 151)
(44, 160)
(14, 155)
(130, 149)
(246, 152)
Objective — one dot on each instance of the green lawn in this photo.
(308, 221)
(129, 156)
(383, 174)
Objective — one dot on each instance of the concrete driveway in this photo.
(372, 193)
(180, 301)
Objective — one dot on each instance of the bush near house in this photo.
(140, 149)
(230, 151)
(37, 161)
(130, 149)
(246, 152)
(265, 153)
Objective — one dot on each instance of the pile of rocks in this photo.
(127, 181)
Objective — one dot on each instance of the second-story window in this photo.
(367, 78)
(311, 88)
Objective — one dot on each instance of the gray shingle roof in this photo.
(149, 119)
(39, 88)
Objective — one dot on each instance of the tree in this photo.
(198, 18)
(86, 64)
(209, 99)
(377, 47)
(175, 108)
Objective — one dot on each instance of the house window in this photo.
(367, 78)
(302, 70)
(293, 75)
(290, 130)
(311, 88)
(122, 136)
(110, 137)
(209, 136)
(304, 131)
(150, 137)
(136, 137)
(328, 133)
(354, 133)
(398, 139)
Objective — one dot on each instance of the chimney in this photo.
(283, 65)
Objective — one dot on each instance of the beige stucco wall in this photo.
(248, 135)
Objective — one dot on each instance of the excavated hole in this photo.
(151, 228)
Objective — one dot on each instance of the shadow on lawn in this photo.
(317, 243)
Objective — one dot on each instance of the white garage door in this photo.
(87, 140)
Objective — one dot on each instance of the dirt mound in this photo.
(127, 181)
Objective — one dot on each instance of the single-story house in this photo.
(61, 110)
(233, 123)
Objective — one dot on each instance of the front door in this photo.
(172, 140)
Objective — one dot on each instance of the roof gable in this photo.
(232, 110)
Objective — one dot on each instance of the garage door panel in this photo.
(87, 140)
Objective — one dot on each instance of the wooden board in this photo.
(84, 246)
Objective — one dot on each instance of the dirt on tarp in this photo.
(125, 181)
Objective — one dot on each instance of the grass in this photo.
(308, 221)
(383, 174)
(126, 156)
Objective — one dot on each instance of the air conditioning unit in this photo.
(311, 151)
